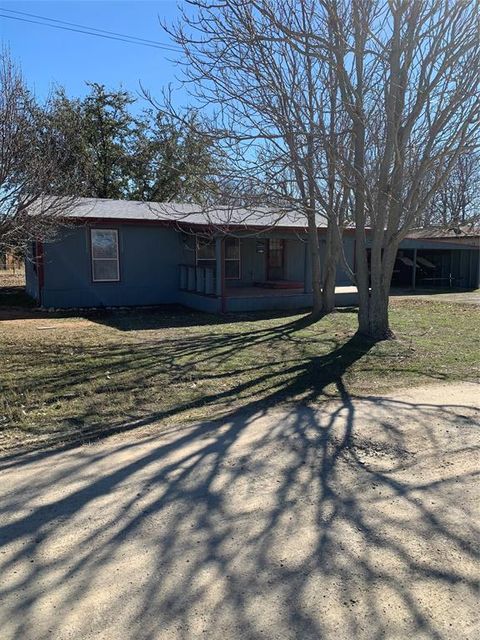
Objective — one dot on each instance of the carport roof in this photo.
(441, 233)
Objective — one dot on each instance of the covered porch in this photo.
(244, 273)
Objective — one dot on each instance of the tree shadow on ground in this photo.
(305, 523)
(15, 304)
(190, 358)
(237, 530)
(216, 372)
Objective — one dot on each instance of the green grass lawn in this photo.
(65, 377)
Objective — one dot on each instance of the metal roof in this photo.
(442, 233)
(187, 214)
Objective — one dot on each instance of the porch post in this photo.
(307, 269)
(220, 270)
(414, 269)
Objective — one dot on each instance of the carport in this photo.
(446, 261)
(436, 268)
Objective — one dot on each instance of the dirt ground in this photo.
(11, 278)
(358, 520)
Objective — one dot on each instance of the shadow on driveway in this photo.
(353, 521)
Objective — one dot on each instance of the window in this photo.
(206, 252)
(105, 267)
(232, 258)
(206, 256)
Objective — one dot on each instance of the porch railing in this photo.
(197, 279)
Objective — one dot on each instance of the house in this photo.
(121, 253)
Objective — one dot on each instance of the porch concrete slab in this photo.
(260, 298)
(264, 292)
(261, 292)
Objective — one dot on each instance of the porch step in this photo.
(280, 284)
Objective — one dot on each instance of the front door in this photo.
(276, 259)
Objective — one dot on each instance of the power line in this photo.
(80, 26)
(102, 33)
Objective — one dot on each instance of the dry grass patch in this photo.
(65, 378)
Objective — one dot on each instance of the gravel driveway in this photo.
(358, 520)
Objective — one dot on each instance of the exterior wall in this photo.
(253, 263)
(206, 304)
(465, 268)
(252, 267)
(269, 303)
(475, 269)
(295, 260)
(149, 258)
(343, 279)
(283, 302)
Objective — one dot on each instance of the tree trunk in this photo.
(378, 323)
(316, 265)
(363, 282)
(373, 318)
(328, 292)
(332, 250)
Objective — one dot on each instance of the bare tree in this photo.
(276, 116)
(31, 154)
(457, 203)
(407, 73)
(408, 77)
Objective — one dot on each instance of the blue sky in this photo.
(52, 56)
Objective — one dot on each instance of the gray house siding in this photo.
(269, 303)
(148, 257)
(253, 260)
(343, 279)
(251, 265)
(294, 260)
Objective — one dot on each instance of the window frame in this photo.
(116, 259)
(204, 241)
(205, 262)
(199, 261)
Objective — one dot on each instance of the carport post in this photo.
(414, 269)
